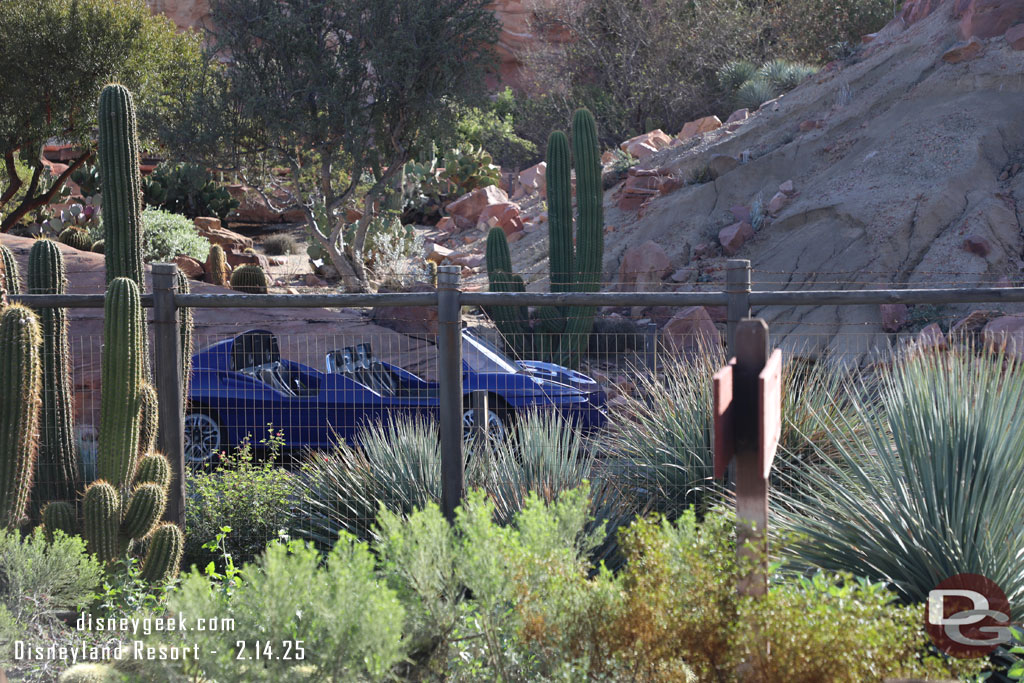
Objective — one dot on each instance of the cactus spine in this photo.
(123, 379)
(20, 397)
(563, 332)
(122, 185)
(11, 275)
(249, 279)
(57, 473)
(217, 266)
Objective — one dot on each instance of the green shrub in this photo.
(165, 235)
(281, 244)
(823, 30)
(734, 74)
(928, 482)
(784, 75)
(492, 128)
(188, 190)
(251, 498)
(754, 93)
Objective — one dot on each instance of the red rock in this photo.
(446, 224)
(1006, 332)
(470, 205)
(504, 215)
(211, 229)
(534, 179)
(811, 124)
(732, 237)
(436, 253)
(868, 38)
(738, 116)
(469, 259)
(240, 258)
(407, 319)
(704, 250)
(720, 164)
(516, 236)
(643, 266)
(963, 51)
(691, 330)
(643, 146)
(989, 18)
(787, 188)
(1015, 36)
(192, 268)
(973, 322)
(976, 244)
(915, 10)
(740, 213)
(671, 184)
(931, 337)
(311, 280)
(894, 317)
(631, 202)
(698, 126)
(777, 203)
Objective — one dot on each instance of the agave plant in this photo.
(734, 74)
(754, 93)
(785, 75)
(928, 481)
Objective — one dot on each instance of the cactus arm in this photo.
(101, 512)
(11, 275)
(145, 508)
(561, 261)
(185, 336)
(154, 468)
(122, 185)
(148, 420)
(164, 556)
(60, 516)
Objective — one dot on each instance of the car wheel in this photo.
(497, 429)
(203, 439)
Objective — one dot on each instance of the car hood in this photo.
(553, 375)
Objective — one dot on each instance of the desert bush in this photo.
(927, 484)
(492, 127)
(754, 93)
(823, 30)
(165, 235)
(735, 73)
(251, 498)
(281, 244)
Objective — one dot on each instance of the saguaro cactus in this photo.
(185, 334)
(11, 275)
(20, 397)
(122, 185)
(249, 279)
(57, 472)
(563, 331)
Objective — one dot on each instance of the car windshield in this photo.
(482, 356)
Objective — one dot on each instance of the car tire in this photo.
(499, 425)
(204, 438)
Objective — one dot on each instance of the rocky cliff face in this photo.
(515, 38)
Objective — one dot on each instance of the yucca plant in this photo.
(754, 93)
(734, 74)
(926, 483)
(784, 75)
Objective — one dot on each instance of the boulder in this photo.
(682, 275)
(470, 205)
(1006, 332)
(211, 229)
(691, 331)
(408, 319)
(894, 317)
(963, 51)
(1015, 36)
(643, 266)
(192, 268)
(787, 188)
(534, 179)
(738, 116)
(436, 253)
(974, 322)
(741, 213)
(504, 215)
(988, 18)
(976, 244)
(734, 236)
(643, 146)
(446, 224)
(467, 259)
(643, 184)
(931, 337)
(702, 125)
(704, 250)
(720, 164)
(777, 203)
(237, 258)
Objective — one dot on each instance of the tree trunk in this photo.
(31, 203)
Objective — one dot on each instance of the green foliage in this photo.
(188, 190)
(823, 30)
(492, 127)
(55, 57)
(281, 244)
(56, 475)
(785, 75)
(166, 235)
(891, 503)
(320, 112)
(467, 168)
(700, 175)
(87, 177)
(40, 578)
(249, 279)
(754, 93)
(250, 497)
(735, 73)
(21, 374)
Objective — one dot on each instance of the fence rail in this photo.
(738, 297)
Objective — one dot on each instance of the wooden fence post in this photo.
(449, 360)
(737, 288)
(167, 375)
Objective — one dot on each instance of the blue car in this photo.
(241, 385)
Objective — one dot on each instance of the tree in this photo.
(55, 57)
(320, 103)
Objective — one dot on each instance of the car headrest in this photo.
(254, 348)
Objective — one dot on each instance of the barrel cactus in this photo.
(21, 377)
(76, 238)
(217, 268)
(575, 262)
(11, 274)
(249, 279)
(57, 472)
(98, 247)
